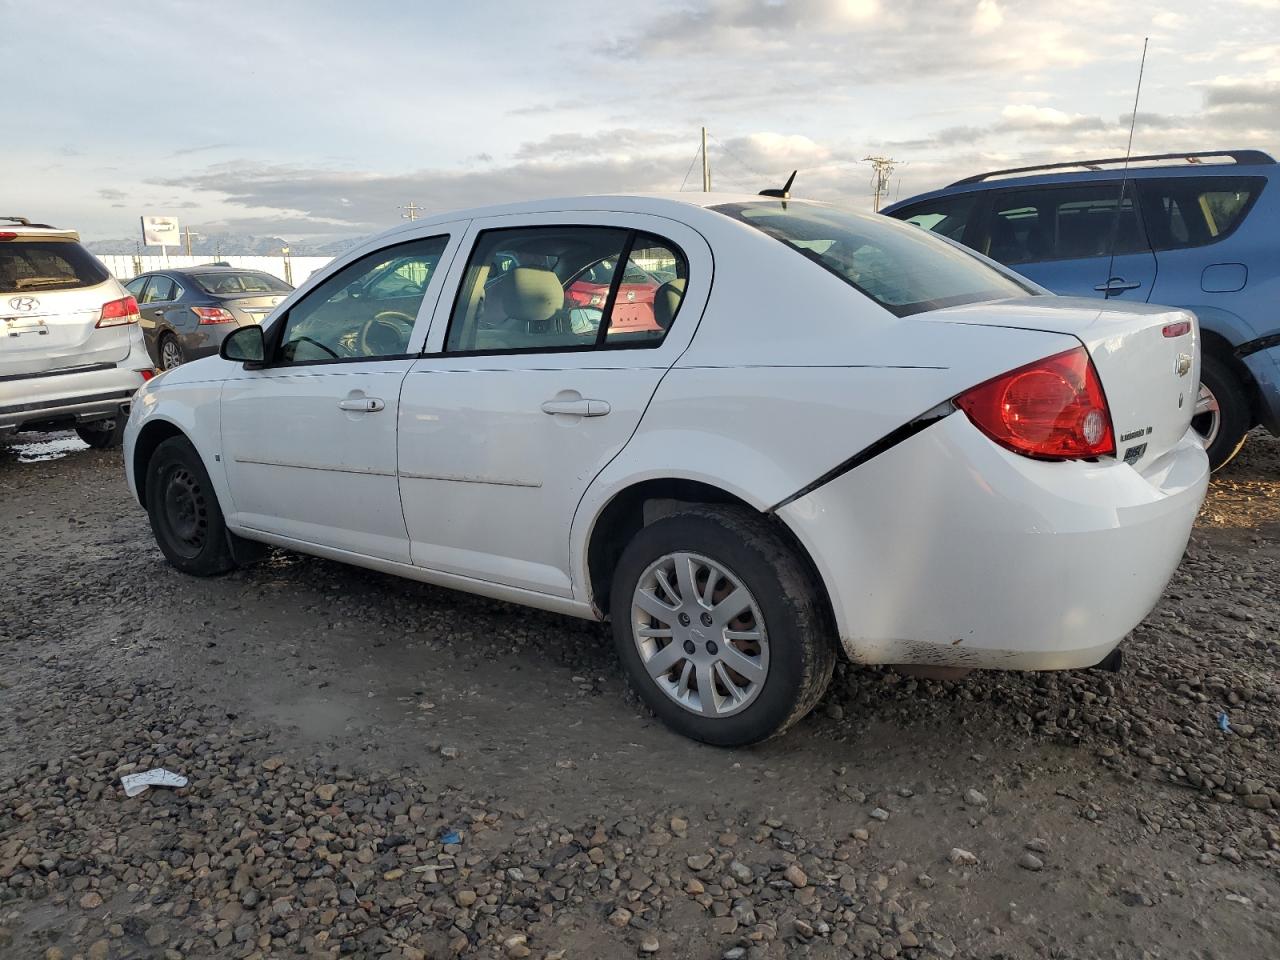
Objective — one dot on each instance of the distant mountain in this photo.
(233, 245)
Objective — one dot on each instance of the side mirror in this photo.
(244, 345)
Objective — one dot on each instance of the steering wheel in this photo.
(385, 334)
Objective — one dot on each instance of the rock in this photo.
(679, 825)
(802, 929)
(1037, 845)
(975, 798)
(450, 753)
(962, 857)
(649, 944)
(91, 901)
(879, 813)
(272, 764)
(1257, 801)
(620, 917)
(833, 710)
(464, 898)
(795, 876)
(99, 950)
(327, 791)
(1029, 861)
(740, 871)
(700, 861)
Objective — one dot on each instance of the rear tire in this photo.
(1227, 417)
(739, 560)
(102, 434)
(186, 518)
(170, 351)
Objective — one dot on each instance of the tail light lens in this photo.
(147, 375)
(213, 315)
(1053, 409)
(118, 313)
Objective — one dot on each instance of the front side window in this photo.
(899, 266)
(28, 266)
(532, 289)
(948, 216)
(1194, 211)
(359, 313)
(1063, 223)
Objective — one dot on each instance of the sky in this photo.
(322, 119)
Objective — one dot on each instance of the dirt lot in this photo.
(383, 768)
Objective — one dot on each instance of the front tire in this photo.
(170, 351)
(186, 518)
(720, 625)
(102, 434)
(1222, 416)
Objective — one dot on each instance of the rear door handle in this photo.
(361, 405)
(577, 408)
(1117, 285)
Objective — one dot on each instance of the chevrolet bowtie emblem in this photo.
(1182, 365)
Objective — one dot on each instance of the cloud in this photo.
(987, 17)
(110, 193)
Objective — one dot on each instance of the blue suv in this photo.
(1194, 230)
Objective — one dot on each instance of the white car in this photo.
(840, 433)
(71, 354)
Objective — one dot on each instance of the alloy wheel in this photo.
(1206, 421)
(170, 354)
(700, 634)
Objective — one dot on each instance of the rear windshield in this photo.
(47, 265)
(235, 284)
(903, 268)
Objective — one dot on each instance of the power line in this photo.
(881, 176)
(697, 153)
(411, 211)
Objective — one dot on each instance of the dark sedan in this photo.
(186, 312)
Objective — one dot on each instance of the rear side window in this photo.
(899, 266)
(29, 265)
(1062, 223)
(948, 216)
(562, 288)
(159, 291)
(236, 284)
(1193, 211)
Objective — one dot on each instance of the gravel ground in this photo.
(380, 768)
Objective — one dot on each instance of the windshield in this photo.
(47, 265)
(233, 284)
(903, 268)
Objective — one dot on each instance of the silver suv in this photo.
(71, 351)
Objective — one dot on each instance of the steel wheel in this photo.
(700, 634)
(186, 511)
(170, 354)
(1206, 421)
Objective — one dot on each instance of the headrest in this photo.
(666, 301)
(531, 295)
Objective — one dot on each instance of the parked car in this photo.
(634, 307)
(1198, 230)
(187, 311)
(71, 354)
(857, 435)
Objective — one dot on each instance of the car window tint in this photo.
(945, 215)
(535, 288)
(27, 266)
(135, 285)
(358, 313)
(231, 284)
(650, 294)
(1062, 223)
(159, 290)
(900, 267)
(1193, 211)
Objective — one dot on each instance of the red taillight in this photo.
(1053, 409)
(1180, 329)
(117, 313)
(147, 375)
(213, 315)
(8, 236)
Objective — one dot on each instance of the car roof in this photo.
(1197, 164)
(35, 231)
(202, 270)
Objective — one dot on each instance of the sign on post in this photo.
(160, 231)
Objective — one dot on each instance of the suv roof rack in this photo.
(1239, 157)
(24, 222)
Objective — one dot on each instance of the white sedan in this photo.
(814, 431)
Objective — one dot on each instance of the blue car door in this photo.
(1071, 239)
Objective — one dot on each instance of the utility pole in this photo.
(881, 176)
(706, 164)
(187, 232)
(410, 211)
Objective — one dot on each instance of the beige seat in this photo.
(531, 301)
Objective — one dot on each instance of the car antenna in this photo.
(785, 192)
(1124, 176)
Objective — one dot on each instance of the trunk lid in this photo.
(45, 330)
(1150, 371)
(251, 309)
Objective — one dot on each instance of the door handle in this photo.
(1117, 285)
(577, 408)
(361, 404)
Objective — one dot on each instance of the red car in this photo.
(634, 310)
